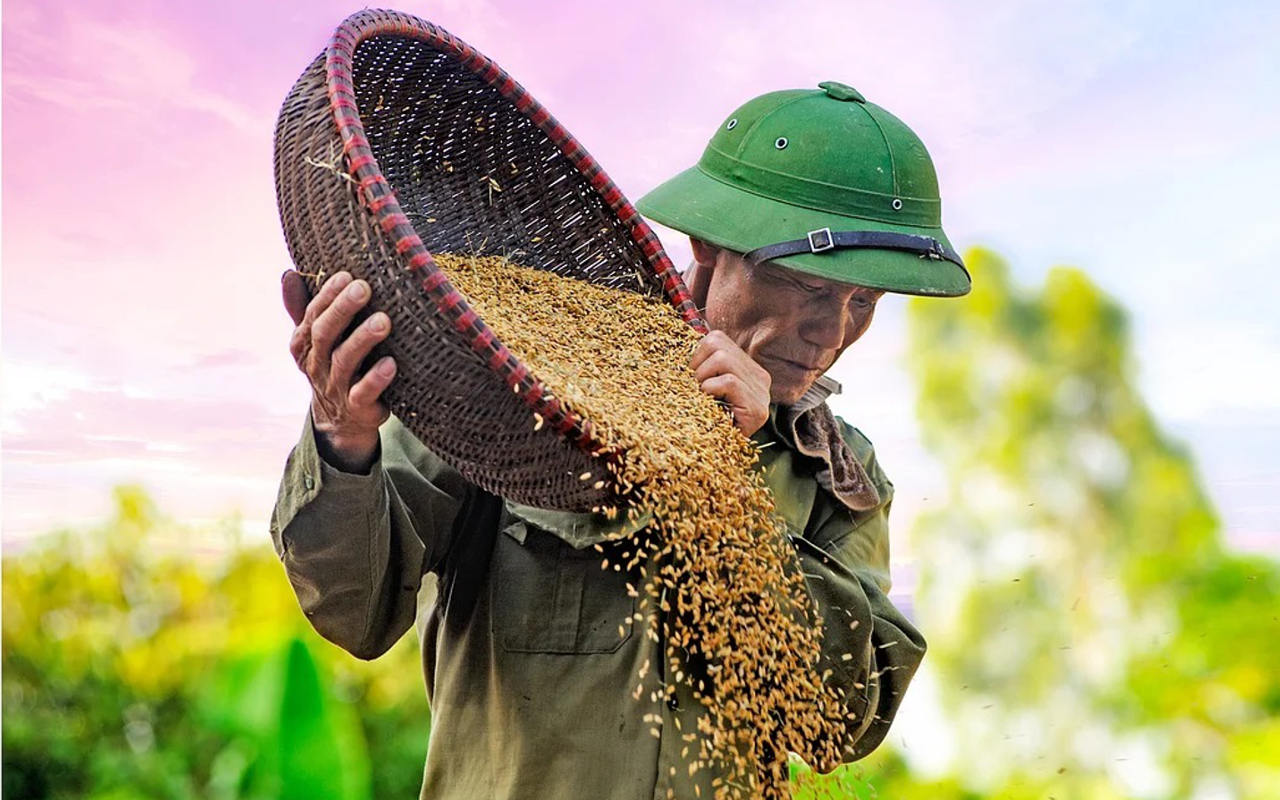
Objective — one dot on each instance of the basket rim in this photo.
(376, 193)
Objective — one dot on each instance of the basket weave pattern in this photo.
(400, 140)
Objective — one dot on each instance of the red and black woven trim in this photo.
(377, 194)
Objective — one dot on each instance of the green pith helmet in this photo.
(823, 182)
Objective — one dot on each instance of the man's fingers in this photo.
(328, 291)
(749, 411)
(727, 387)
(348, 355)
(294, 292)
(717, 363)
(711, 344)
(729, 362)
(732, 392)
(327, 327)
(369, 388)
(299, 342)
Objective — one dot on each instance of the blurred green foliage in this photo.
(1090, 634)
(129, 673)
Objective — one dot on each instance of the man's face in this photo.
(792, 324)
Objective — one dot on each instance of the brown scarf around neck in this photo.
(811, 425)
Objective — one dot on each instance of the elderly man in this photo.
(806, 206)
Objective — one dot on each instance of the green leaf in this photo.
(321, 746)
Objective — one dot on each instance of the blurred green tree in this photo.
(1092, 635)
(137, 663)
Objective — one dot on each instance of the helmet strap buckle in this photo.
(821, 240)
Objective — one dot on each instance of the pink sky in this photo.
(142, 331)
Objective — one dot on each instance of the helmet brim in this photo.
(718, 213)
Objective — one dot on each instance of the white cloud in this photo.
(27, 387)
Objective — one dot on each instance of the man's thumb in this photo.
(294, 290)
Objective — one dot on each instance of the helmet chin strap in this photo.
(822, 240)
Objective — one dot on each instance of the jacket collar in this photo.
(809, 428)
(813, 397)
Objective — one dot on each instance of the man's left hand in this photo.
(725, 371)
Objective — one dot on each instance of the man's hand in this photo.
(345, 412)
(725, 371)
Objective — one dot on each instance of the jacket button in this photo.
(673, 703)
(308, 482)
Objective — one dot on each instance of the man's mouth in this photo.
(798, 365)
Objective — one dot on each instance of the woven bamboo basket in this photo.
(401, 139)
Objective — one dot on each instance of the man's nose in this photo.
(825, 330)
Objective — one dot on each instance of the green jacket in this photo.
(530, 682)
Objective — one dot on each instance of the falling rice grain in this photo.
(732, 608)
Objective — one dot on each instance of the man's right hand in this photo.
(346, 409)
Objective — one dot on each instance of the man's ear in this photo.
(703, 253)
(698, 276)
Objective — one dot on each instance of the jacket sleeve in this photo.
(870, 647)
(355, 547)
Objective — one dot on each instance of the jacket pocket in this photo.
(547, 597)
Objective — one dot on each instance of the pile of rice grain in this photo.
(721, 586)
